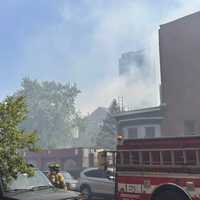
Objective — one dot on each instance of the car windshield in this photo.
(24, 182)
(67, 175)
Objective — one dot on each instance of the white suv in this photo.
(96, 182)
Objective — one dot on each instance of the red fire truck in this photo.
(158, 169)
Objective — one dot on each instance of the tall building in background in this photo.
(179, 43)
(130, 60)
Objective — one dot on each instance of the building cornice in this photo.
(140, 118)
(131, 112)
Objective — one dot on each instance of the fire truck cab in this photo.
(158, 169)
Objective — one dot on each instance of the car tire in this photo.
(86, 191)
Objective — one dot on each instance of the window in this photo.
(96, 173)
(198, 154)
(126, 158)
(101, 174)
(150, 132)
(135, 158)
(118, 158)
(24, 181)
(91, 173)
(155, 157)
(145, 158)
(132, 132)
(189, 127)
(178, 157)
(190, 157)
(166, 155)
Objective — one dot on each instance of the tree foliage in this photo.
(12, 112)
(107, 136)
(52, 111)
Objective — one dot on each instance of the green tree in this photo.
(13, 140)
(107, 135)
(52, 111)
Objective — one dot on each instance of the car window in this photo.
(67, 175)
(25, 182)
(102, 174)
(110, 173)
(91, 173)
(97, 173)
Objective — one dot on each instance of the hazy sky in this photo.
(81, 41)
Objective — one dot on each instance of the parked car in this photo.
(36, 187)
(95, 182)
(71, 183)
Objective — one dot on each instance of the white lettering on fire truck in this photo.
(124, 188)
(130, 188)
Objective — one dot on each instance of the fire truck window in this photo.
(190, 157)
(198, 154)
(178, 157)
(126, 158)
(155, 157)
(145, 158)
(135, 157)
(166, 155)
(189, 127)
(118, 158)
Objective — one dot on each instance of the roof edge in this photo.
(180, 18)
(143, 110)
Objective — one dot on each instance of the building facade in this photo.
(179, 110)
(179, 43)
(143, 123)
